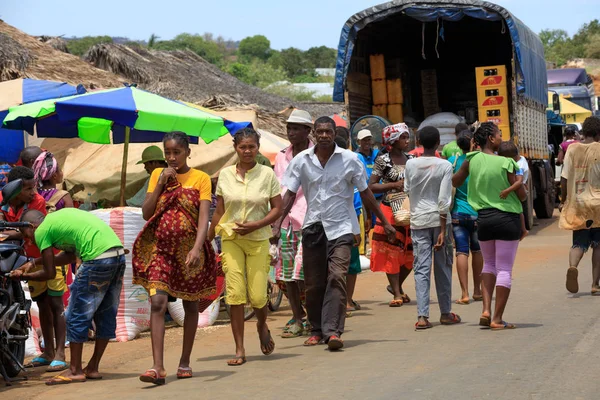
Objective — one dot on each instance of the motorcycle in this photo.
(15, 318)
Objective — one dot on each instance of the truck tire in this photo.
(544, 202)
(528, 210)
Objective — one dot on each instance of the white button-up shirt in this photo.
(329, 190)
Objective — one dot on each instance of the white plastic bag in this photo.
(206, 318)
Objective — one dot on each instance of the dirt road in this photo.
(549, 356)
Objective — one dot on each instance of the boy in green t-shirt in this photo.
(452, 149)
(96, 290)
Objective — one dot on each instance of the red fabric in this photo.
(39, 204)
(418, 152)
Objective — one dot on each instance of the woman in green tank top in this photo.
(498, 222)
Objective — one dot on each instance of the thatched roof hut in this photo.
(23, 56)
(184, 75)
(55, 42)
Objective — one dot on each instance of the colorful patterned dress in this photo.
(160, 251)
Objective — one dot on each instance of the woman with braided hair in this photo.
(498, 222)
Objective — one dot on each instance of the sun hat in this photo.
(151, 153)
(300, 117)
(364, 133)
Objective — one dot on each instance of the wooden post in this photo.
(124, 166)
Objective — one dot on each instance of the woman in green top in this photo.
(498, 222)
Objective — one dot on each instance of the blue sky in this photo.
(300, 24)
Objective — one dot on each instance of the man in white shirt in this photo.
(328, 175)
(428, 183)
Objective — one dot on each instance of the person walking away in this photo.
(171, 257)
(248, 202)
(429, 188)
(509, 150)
(328, 175)
(580, 211)
(452, 149)
(288, 229)
(394, 257)
(46, 294)
(464, 228)
(96, 290)
(571, 136)
(498, 225)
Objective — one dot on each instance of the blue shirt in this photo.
(461, 205)
(357, 202)
(369, 162)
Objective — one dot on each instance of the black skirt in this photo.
(493, 224)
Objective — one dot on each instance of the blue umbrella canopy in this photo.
(22, 91)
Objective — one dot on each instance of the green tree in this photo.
(257, 46)
(583, 36)
(152, 40)
(558, 46)
(81, 45)
(592, 48)
(210, 51)
(291, 60)
(257, 73)
(321, 57)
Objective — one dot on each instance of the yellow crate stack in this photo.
(492, 97)
(395, 101)
(378, 85)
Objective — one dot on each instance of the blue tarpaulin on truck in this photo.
(529, 51)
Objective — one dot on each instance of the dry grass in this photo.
(38, 60)
(184, 75)
(55, 42)
(14, 58)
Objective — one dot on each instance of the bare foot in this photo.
(463, 301)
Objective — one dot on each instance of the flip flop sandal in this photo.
(423, 327)
(405, 299)
(184, 373)
(237, 361)
(293, 332)
(263, 346)
(477, 298)
(38, 362)
(572, 284)
(335, 343)
(290, 323)
(57, 366)
(454, 319)
(152, 376)
(356, 305)
(350, 309)
(595, 292)
(396, 303)
(484, 322)
(313, 340)
(505, 325)
(462, 302)
(63, 380)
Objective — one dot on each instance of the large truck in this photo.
(575, 85)
(445, 53)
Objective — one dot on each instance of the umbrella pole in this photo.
(124, 167)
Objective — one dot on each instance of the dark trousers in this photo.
(326, 264)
